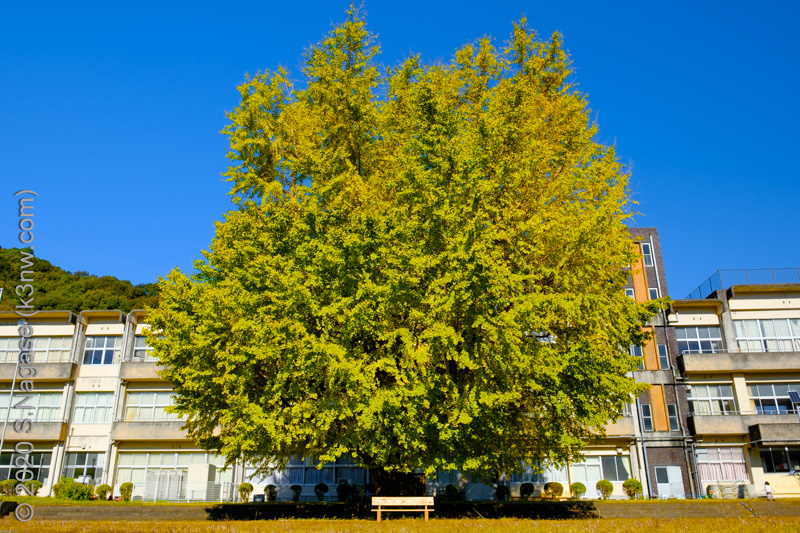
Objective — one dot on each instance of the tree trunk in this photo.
(396, 483)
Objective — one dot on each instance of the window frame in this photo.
(630, 292)
(647, 256)
(41, 351)
(581, 471)
(663, 356)
(725, 405)
(672, 416)
(102, 355)
(35, 458)
(768, 453)
(93, 407)
(637, 351)
(69, 470)
(647, 417)
(142, 352)
(761, 343)
(709, 344)
(155, 461)
(757, 402)
(736, 466)
(34, 404)
(156, 407)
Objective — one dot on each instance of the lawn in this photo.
(615, 525)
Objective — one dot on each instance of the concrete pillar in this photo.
(56, 461)
(740, 394)
(728, 331)
(754, 467)
(110, 471)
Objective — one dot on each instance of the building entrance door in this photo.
(669, 482)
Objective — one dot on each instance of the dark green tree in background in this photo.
(71, 291)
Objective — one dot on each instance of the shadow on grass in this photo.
(7, 508)
(464, 509)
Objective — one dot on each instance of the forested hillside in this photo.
(74, 291)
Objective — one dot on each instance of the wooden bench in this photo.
(385, 504)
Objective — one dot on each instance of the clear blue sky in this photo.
(112, 114)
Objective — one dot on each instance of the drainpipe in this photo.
(696, 468)
(675, 379)
(114, 417)
(644, 449)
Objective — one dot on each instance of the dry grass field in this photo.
(613, 525)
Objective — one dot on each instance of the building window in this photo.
(636, 351)
(93, 407)
(39, 407)
(448, 477)
(141, 351)
(647, 417)
(43, 349)
(307, 472)
(772, 398)
(663, 357)
(699, 339)
(672, 416)
(721, 464)
(133, 467)
(711, 400)
(653, 293)
(630, 293)
(647, 254)
(39, 460)
(102, 350)
(780, 459)
(614, 468)
(149, 407)
(544, 475)
(543, 336)
(627, 409)
(85, 464)
(768, 335)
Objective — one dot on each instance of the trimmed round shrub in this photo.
(244, 491)
(7, 487)
(344, 491)
(296, 490)
(577, 489)
(320, 489)
(126, 490)
(526, 490)
(502, 492)
(452, 492)
(632, 488)
(605, 488)
(103, 491)
(553, 489)
(33, 486)
(272, 493)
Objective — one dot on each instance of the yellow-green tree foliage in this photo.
(424, 267)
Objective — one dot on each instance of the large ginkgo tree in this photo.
(423, 267)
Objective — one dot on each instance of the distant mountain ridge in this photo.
(57, 289)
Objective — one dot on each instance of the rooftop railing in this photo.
(722, 279)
